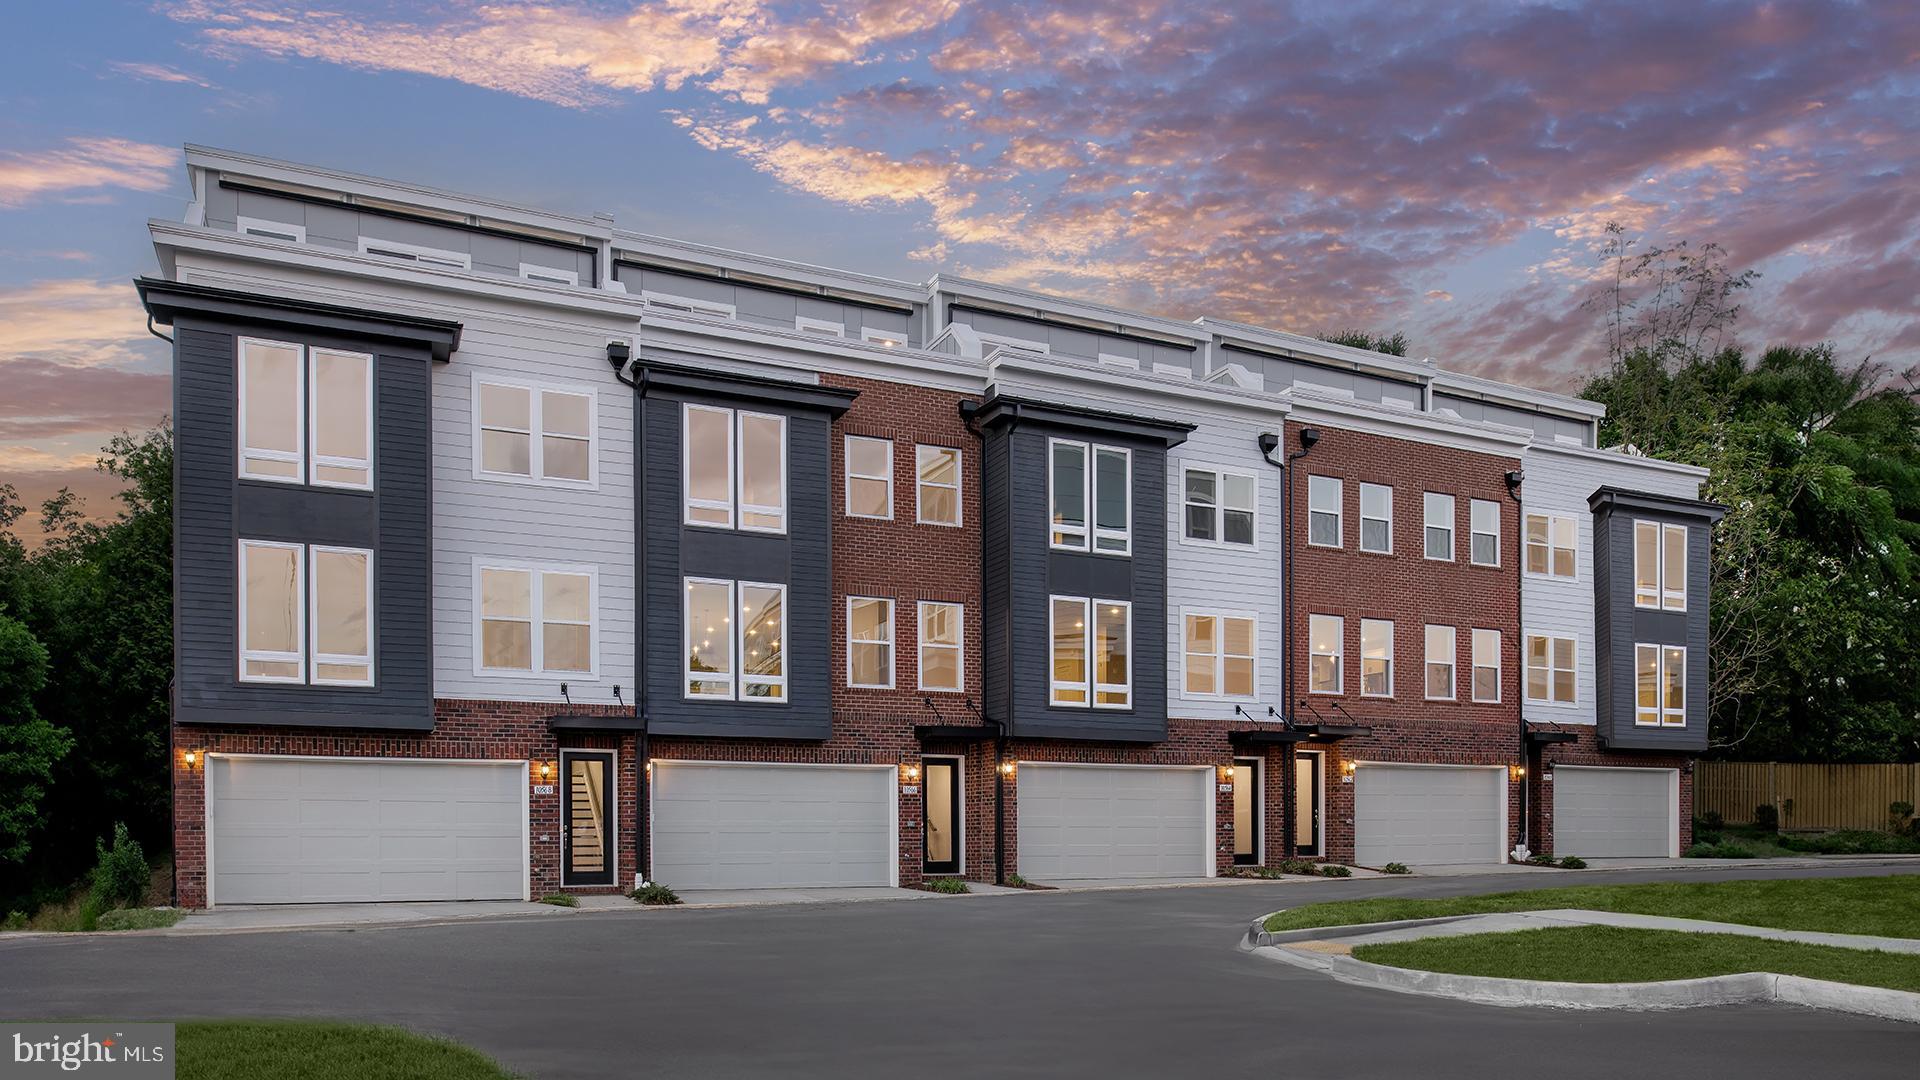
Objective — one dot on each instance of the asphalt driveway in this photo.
(1133, 983)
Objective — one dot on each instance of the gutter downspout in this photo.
(1514, 479)
(642, 776)
(1006, 630)
(1308, 437)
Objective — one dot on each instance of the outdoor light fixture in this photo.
(1006, 769)
(190, 758)
(546, 770)
(913, 774)
(1346, 769)
(1226, 773)
(1519, 771)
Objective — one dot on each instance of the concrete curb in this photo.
(1258, 936)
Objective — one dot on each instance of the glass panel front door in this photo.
(941, 797)
(586, 817)
(1306, 804)
(1246, 812)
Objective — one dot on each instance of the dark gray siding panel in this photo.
(1619, 626)
(214, 510)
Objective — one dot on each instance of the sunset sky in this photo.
(1306, 166)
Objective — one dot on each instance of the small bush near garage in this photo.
(1573, 862)
(1766, 816)
(140, 918)
(952, 886)
(1300, 866)
(1725, 849)
(561, 899)
(1336, 870)
(119, 872)
(1395, 868)
(654, 894)
(1540, 858)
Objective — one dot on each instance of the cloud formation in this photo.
(75, 322)
(81, 167)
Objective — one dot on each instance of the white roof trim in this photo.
(1110, 319)
(1342, 412)
(1614, 456)
(1072, 374)
(671, 251)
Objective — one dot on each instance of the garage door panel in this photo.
(1431, 815)
(1613, 813)
(743, 827)
(1080, 822)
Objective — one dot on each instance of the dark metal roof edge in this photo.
(1610, 495)
(595, 722)
(1171, 432)
(669, 376)
(164, 299)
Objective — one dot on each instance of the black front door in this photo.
(1306, 804)
(586, 817)
(940, 780)
(1246, 811)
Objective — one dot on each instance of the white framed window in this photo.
(706, 626)
(1219, 652)
(937, 486)
(1220, 506)
(762, 482)
(306, 414)
(1112, 500)
(870, 642)
(1067, 650)
(1660, 685)
(1324, 497)
(730, 626)
(1376, 519)
(706, 465)
(1112, 654)
(1439, 526)
(273, 617)
(530, 433)
(1090, 655)
(892, 339)
(1067, 482)
(1486, 666)
(342, 616)
(1552, 546)
(416, 253)
(1443, 657)
(1102, 485)
(535, 619)
(305, 614)
(688, 304)
(809, 325)
(272, 230)
(1659, 566)
(942, 634)
(273, 413)
(1483, 532)
(1376, 658)
(1326, 642)
(869, 477)
(1552, 669)
(340, 415)
(548, 275)
(733, 468)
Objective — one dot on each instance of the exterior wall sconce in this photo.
(912, 773)
(192, 758)
(546, 771)
(1006, 769)
(1518, 772)
(1346, 771)
(1226, 774)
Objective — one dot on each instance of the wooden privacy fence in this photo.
(1820, 796)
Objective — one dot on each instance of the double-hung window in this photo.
(870, 642)
(1551, 669)
(534, 620)
(1376, 519)
(1439, 526)
(1376, 658)
(534, 434)
(734, 468)
(937, 498)
(1660, 685)
(306, 414)
(1325, 641)
(1324, 495)
(735, 640)
(942, 629)
(1659, 566)
(1219, 651)
(306, 614)
(1090, 481)
(1551, 550)
(1090, 652)
(1220, 506)
(1442, 657)
(1486, 666)
(869, 477)
(1483, 532)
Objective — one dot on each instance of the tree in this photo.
(29, 745)
(1360, 339)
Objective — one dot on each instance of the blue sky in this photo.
(1438, 170)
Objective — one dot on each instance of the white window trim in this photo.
(688, 303)
(1526, 544)
(1392, 633)
(1663, 596)
(416, 253)
(737, 438)
(1220, 506)
(548, 275)
(1339, 656)
(268, 229)
(1339, 513)
(536, 453)
(807, 324)
(1220, 656)
(1473, 532)
(1085, 528)
(1453, 526)
(1526, 669)
(315, 460)
(297, 657)
(298, 458)
(959, 648)
(1452, 663)
(1097, 533)
(892, 642)
(1663, 717)
(889, 338)
(849, 476)
(1361, 540)
(742, 679)
(1093, 660)
(959, 477)
(1498, 664)
(1116, 360)
(687, 674)
(315, 656)
(687, 502)
(1054, 683)
(536, 600)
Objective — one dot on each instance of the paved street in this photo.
(1134, 983)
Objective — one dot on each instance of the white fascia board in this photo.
(785, 271)
(1080, 314)
(1476, 436)
(808, 353)
(1313, 350)
(1152, 392)
(590, 229)
(1525, 397)
(1616, 457)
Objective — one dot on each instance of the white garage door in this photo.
(1615, 813)
(291, 830)
(773, 826)
(1088, 821)
(1429, 814)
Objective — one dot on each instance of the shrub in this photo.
(1573, 862)
(1299, 866)
(1851, 842)
(1539, 858)
(1900, 818)
(561, 899)
(1395, 868)
(1726, 849)
(1766, 816)
(1712, 821)
(16, 920)
(1267, 872)
(1336, 870)
(655, 894)
(1707, 838)
(1017, 881)
(952, 886)
(139, 918)
(120, 874)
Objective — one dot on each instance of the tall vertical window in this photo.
(1075, 486)
(1439, 526)
(1551, 546)
(342, 612)
(1659, 566)
(272, 611)
(534, 434)
(734, 468)
(1324, 641)
(763, 654)
(763, 472)
(1660, 685)
(1112, 500)
(1219, 656)
(870, 642)
(1112, 654)
(305, 614)
(1219, 506)
(1443, 655)
(869, 477)
(1483, 525)
(1376, 658)
(708, 627)
(1090, 652)
(1323, 511)
(1376, 519)
(1067, 650)
(937, 500)
(735, 640)
(1551, 670)
(942, 627)
(1486, 666)
(534, 620)
(306, 414)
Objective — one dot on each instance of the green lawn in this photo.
(1617, 954)
(1887, 906)
(305, 1050)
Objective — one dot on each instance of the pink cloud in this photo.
(82, 167)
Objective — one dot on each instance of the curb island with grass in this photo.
(305, 1050)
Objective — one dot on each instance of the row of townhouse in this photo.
(518, 553)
